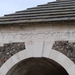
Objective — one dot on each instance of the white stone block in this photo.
(38, 47)
(1, 73)
(29, 48)
(15, 59)
(67, 63)
(9, 63)
(4, 69)
(47, 48)
(44, 28)
(60, 58)
(53, 54)
(71, 70)
(1, 44)
(6, 41)
(23, 54)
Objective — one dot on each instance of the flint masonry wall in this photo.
(12, 38)
(9, 50)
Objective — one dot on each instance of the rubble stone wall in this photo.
(9, 50)
(65, 47)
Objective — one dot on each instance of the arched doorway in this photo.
(41, 50)
(37, 66)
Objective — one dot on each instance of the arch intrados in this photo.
(37, 66)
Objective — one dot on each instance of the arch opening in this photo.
(37, 66)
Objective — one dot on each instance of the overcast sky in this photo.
(10, 6)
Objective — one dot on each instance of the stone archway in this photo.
(37, 66)
(39, 49)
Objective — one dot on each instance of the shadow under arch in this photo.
(37, 66)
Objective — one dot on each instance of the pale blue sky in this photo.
(10, 6)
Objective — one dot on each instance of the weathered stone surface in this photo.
(9, 50)
(65, 47)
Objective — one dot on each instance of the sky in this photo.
(11, 6)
